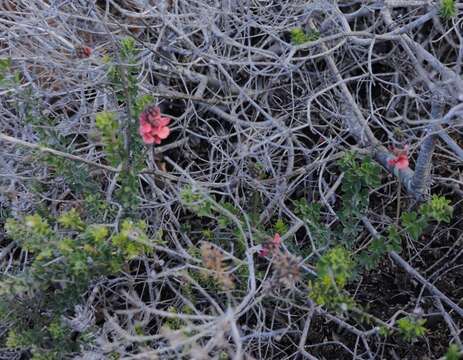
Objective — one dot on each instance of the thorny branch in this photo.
(259, 120)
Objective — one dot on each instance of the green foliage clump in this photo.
(8, 78)
(71, 220)
(196, 202)
(65, 258)
(359, 178)
(310, 213)
(123, 76)
(280, 226)
(411, 328)
(438, 208)
(447, 9)
(132, 239)
(413, 223)
(113, 143)
(379, 246)
(116, 154)
(299, 36)
(334, 269)
(453, 353)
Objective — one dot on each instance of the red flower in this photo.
(83, 52)
(400, 161)
(270, 246)
(153, 127)
(87, 51)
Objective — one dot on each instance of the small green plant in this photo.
(8, 78)
(447, 9)
(411, 328)
(413, 224)
(359, 178)
(66, 255)
(310, 213)
(71, 220)
(120, 137)
(438, 208)
(197, 202)
(299, 36)
(280, 227)
(113, 143)
(453, 353)
(334, 269)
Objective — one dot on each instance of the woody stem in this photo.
(420, 180)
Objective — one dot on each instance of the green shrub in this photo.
(65, 257)
(453, 353)
(334, 269)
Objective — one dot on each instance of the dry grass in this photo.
(258, 122)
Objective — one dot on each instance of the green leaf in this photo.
(299, 36)
(395, 242)
(453, 353)
(411, 328)
(378, 246)
(280, 227)
(413, 224)
(438, 208)
(71, 220)
(5, 64)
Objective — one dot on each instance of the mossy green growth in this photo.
(447, 9)
(280, 227)
(299, 36)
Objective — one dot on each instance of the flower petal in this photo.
(164, 121)
(263, 252)
(163, 132)
(277, 240)
(392, 162)
(148, 138)
(402, 162)
(157, 140)
(143, 117)
(145, 127)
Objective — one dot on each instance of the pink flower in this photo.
(270, 246)
(400, 161)
(153, 127)
(276, 240)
